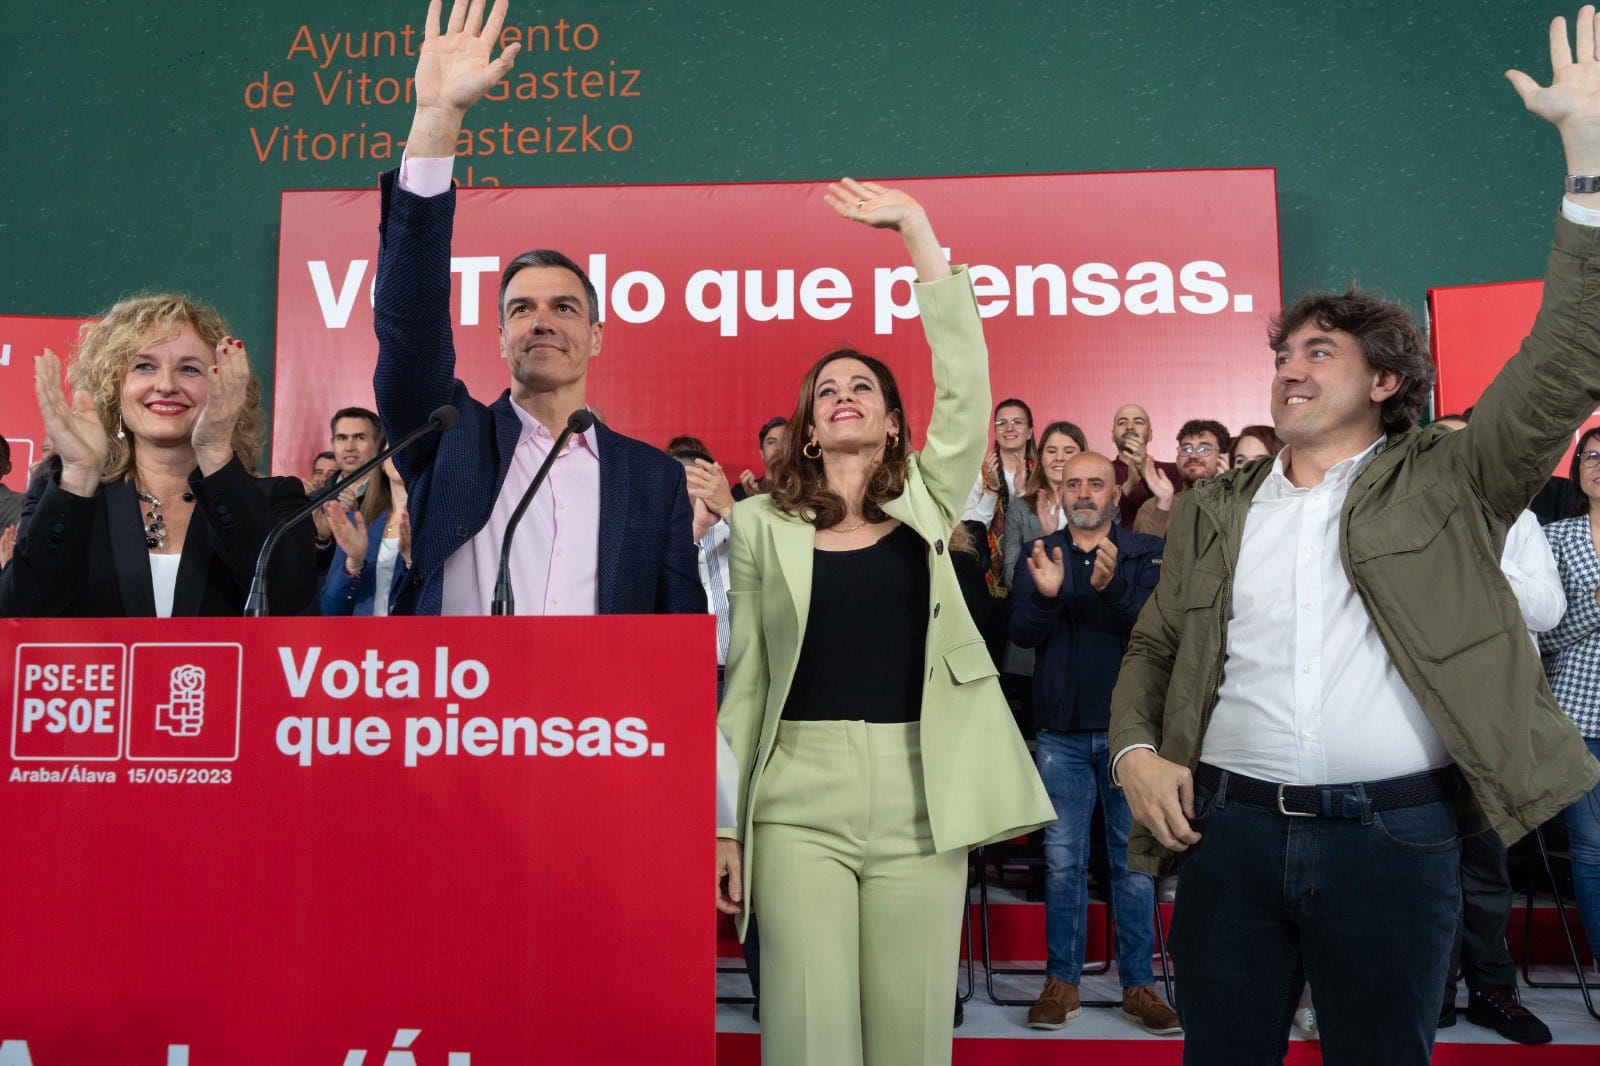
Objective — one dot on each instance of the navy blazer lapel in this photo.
(507, 432)
(129, 554)
(614, 486)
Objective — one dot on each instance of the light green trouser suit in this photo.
(860, 917)
(839, 873)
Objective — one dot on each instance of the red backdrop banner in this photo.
(1474, 330)
(21, 338)
(1098, 289)
(267, 842)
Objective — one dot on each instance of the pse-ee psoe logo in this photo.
(148, 702)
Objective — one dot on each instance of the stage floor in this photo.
(994, 1035)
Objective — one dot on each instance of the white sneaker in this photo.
(1305, 1020)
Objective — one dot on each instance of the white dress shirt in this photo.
(713, 552)
(1310, 694)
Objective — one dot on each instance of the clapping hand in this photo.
(1047, 570)
(1133, 455)
(707, 482)
(1105, 565)
(227, 392)
(8, 545)
(1160, 484)
(75, 432)
(993, 475)
(350, 531)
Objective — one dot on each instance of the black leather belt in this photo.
(1334, 801)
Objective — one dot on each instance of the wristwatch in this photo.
(1582, 183)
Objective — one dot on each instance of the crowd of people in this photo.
(1322, 671)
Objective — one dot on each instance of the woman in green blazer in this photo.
(865, 714)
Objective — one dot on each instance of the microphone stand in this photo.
(255, 604)
(504, 603)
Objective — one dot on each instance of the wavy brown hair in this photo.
(799, 485)
(106, 346)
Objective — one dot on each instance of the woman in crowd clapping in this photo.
(862, 705)
(374, 548)
(1041, 512)
(1572, 661)
(150, 506)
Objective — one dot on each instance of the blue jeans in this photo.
(1583, 830)
(1075, 767)
(1366, 908)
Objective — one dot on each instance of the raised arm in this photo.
(958, 428)
(411, 304)
(1523, 422)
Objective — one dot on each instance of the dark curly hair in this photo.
(1390, 339)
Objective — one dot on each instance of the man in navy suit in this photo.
(610, 530)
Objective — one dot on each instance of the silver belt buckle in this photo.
(1290, 814)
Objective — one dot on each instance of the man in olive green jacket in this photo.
(1333, 668)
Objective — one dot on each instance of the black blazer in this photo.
(86, 558)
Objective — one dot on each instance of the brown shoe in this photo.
(1057, 1005)
(1144, 1008)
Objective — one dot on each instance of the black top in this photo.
(863, 653)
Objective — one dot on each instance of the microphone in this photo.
(255, 605)
(504, 603)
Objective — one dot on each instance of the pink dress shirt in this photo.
(555, 559)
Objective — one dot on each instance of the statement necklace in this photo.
(155, 523)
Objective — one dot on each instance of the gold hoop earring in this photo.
(811, 450)
(894, 440)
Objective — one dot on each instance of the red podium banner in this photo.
(470, 842)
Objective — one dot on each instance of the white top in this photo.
(164, 576)
(980, 504)
(1310, 695)
(383, 574)
(1530, 567)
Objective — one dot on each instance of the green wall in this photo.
(1404, 158)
